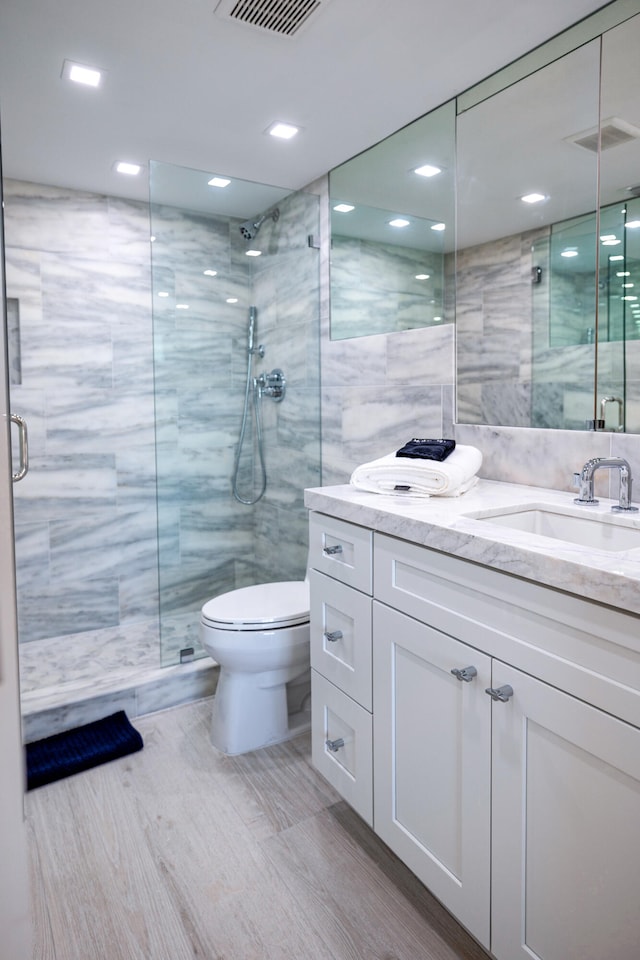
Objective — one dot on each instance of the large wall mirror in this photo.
(545, 159)
(392, 219)
(548, 243)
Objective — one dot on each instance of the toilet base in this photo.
(249, 714)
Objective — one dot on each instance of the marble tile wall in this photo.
(85, 516)
(286, 286)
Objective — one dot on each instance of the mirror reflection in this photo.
(525, 260)
(392, 217)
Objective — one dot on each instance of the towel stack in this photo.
(422, 468)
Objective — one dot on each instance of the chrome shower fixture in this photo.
(249, 229)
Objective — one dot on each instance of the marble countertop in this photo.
(442, 523)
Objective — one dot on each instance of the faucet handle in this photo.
(575, 482)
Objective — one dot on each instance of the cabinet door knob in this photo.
(332, 551)
(502, 693)
(334, 745)
(467, 674)
(333, 635)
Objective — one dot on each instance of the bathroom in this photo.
(374, 389)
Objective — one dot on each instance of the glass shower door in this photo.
(205, 277)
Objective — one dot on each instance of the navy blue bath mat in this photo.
(79, 749)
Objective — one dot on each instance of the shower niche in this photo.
(236, 312)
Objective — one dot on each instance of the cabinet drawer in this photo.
(341, 550)
(338, 719)
(341, 636)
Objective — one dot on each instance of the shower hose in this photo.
(252, 405)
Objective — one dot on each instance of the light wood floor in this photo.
(179, 852)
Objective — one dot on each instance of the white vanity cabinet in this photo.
(518, 808)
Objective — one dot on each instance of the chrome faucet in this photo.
(586, 478)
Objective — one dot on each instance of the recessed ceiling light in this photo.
(611, 243)
(427, 170)
(607, 236)
(232, 299)
(618, 256)
(438, 226)
(632, 224)
(628, 285)
(162, 293)
(569, 252)
(629, 298)
(623, 273)
(211, 273)
(253, 253)
(422, 276)
(79, 73)
(533, 198)
(283, 130)
(131, 169)
(399, 222)
(152, 239)
(218, 182)
(344, 207)
(437, 319)
(182, 306)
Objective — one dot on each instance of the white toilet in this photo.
(260, 637)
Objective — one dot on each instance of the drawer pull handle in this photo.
(333, 635)
(467, 674)
(332, 551)
(334, 745)
(502, 694)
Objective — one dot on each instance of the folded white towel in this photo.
(423, 478)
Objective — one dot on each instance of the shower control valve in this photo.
(272, 385)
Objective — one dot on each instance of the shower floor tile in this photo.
(77, 678)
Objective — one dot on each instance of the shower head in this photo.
(249, 229)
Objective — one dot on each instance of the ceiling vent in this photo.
(284, 17)
(614, 132)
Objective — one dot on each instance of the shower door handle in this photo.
(24, 447)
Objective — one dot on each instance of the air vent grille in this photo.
(614, 132)
(284, 17)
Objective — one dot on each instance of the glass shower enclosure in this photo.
(226, 252)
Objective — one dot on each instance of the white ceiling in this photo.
(187, 87)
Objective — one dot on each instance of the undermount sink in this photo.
(599, 531)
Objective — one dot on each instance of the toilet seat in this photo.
(262, 606)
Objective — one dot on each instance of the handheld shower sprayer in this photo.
(253, 314)
(249, 229)
(252, 326)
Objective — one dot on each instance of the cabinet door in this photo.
(432, 741)
(566, 827)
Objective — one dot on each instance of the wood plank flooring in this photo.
(178, 852)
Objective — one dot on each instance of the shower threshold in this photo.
(71, 680)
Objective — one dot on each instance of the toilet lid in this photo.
(263, 605)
